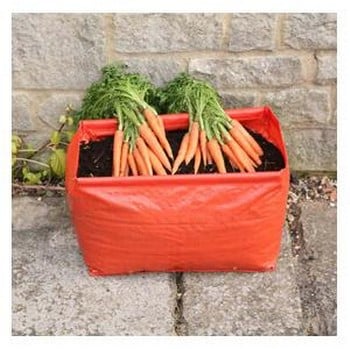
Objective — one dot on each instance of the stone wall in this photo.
(287, 61)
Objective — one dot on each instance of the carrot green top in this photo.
(198, 98)
(119, 94)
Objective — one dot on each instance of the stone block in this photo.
(162, 32)
(312, 149)
(310, 31)
(250, 31)
(248, 72)
(57, 51)
(300, 105)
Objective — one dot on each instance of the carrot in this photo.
(126, 172)
(197, 159)
(161, 125)
(193, 142)
(240, 154)
(153, 122)
(142, 147)
(181, 153)
(151, 140)
(132, 164)
(156, 164)
(216, 154)
(228, 152)
(124, 158)
(243, 142)
(209, 158)
(203, 146)
(141, 166)
(249, 138)
(117, 148)
(233, 159)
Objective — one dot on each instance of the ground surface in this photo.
(54, 295)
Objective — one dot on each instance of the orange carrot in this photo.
(233, 159)
(142, 147)
(203, 146)
(151, 140)
(126, 172)
(240, 154)
(153, 122)
(161, 125)
(243, 142)
(216, 154)
(249, 138)
(197, 159)
(209, 158)
(156, 164)
(124, 157)
(132, 164)
(181, 153)
(228, 152)
(117, 149)
(193, 142)
(141, 166)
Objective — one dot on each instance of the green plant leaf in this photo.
(32, 178)
(14, 159)
(62, 119)
(17, 140)
(16, 143)
(57, 162)
(55, 137)
(25, 170)
(14, 148)
(70, 121)
(69, 135)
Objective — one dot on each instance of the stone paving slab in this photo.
(52, 293)
(244, 303)
(318, 263)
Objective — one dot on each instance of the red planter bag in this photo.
(203, 222)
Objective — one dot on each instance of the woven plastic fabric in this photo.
(203, 222)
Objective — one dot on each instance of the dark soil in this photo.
(96, 157)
